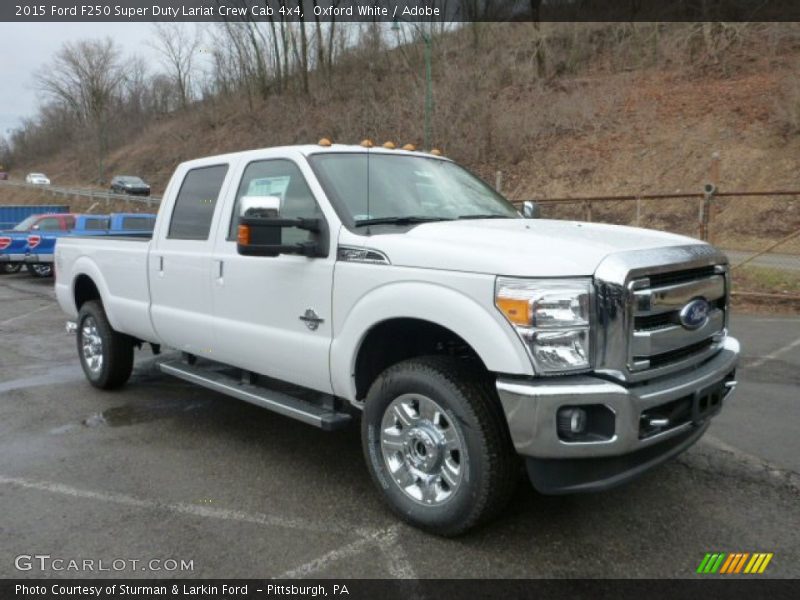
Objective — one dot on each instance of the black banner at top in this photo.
(30, 11)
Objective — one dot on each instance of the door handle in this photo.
(220, 270)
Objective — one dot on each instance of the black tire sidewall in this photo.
(458, 509)
(91, 309)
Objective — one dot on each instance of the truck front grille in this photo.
(658, 340)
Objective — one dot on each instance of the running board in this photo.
(289, 406)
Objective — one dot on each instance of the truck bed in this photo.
(122, 261)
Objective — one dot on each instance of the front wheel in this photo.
(40, 270)
(437, 445)
(106, 355)
(9, 268)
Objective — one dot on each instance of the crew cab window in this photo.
(138, 223)
(49, 224)
(194, 206)
(282, 179)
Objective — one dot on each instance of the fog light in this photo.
(571, 422)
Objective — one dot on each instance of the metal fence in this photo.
(89, 194)
(759, 231)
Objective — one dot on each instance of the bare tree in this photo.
(178, 46)
(86, 76)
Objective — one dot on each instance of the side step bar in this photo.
(289, 406)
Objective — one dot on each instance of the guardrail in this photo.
(91, 194)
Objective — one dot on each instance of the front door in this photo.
(273, 314)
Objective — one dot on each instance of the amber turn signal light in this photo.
(243, 235)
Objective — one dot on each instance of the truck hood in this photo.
(517, 247)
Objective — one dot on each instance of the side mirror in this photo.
(260, 230)
(531, 210)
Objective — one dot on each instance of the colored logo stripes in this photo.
(734, 563)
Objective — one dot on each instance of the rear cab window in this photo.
(195, 203)
(138, 223)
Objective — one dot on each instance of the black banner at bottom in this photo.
(386, 589)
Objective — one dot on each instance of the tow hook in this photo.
(71, 327)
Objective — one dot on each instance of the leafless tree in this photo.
(86, 76)
(178, 46)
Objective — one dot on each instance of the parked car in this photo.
(127, 184)
(14, 242)
(3, 175)
(41, 245)
(37, 179)
(13, 215)
(399, 286)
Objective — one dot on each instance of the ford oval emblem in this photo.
(695, 314)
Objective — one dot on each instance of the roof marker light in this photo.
(324, 142)
(410, 147)
(366, 143)
(436, 152)
(389, 145)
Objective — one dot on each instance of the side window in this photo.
(138, 223)
(282, 179)
(194, 206)
(49, 224)
(96, 224)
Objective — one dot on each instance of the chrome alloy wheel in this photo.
(422, 449)
(91, 345)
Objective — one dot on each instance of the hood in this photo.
(517, 247)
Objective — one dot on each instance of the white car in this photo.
(37, 179)
(395, 288)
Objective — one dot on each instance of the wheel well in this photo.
(392, 341)
(85, 290)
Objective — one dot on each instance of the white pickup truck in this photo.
(330, 283)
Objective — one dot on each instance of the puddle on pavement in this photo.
(132, 414)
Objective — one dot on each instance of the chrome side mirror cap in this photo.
(260, 206)
(531, 210)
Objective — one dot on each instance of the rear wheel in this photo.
(41, 270)
(8, 268)
(106, 355)
(437, 446)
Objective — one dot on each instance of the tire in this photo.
(106, 355)
(465, 450)
(9, 268)
(40, 270)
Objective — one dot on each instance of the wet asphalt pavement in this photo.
(164, 470)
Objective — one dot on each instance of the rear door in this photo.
(179, 265)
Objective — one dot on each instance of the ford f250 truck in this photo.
(331, 283)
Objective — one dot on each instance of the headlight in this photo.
(552, 316)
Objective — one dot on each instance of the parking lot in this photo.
(164, 470)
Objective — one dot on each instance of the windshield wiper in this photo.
(462, 217)
(409, 220)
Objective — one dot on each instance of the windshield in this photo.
(26, 224)
(37, 174)
(127, 179)
(405, 189)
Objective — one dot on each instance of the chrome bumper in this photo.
(39, 258)
(531, 406)
(14, 258)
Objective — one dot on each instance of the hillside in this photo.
(608, 111)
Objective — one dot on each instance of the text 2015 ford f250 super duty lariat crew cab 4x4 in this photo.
(395, 286)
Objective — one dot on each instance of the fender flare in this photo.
(85, 266)
(484, 329)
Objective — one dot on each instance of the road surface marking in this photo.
(28, 314)
(773, 355)
(192, 510)
(319, 564)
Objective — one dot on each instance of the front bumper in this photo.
(531, 407)
(13, 258)
(39, 258)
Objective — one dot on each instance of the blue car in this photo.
(41, 247)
